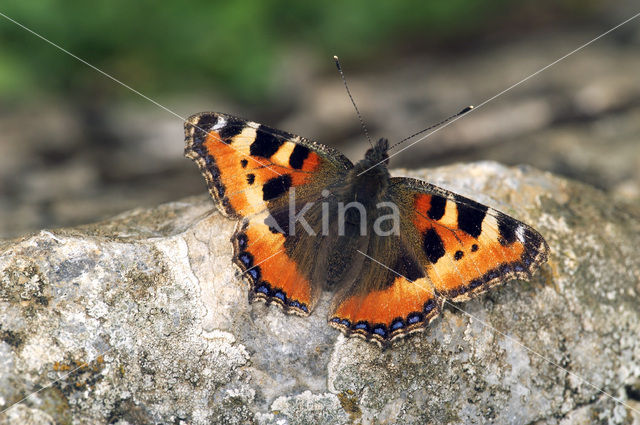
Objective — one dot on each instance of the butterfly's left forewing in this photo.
(249, 166)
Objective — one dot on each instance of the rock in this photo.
(141, 319)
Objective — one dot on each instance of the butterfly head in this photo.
(370, 177)
(378, 153)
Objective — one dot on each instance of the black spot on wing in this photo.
(265, 144)
(232, 128)
(507, 229)
(251, 178)
(433, 246)
(458, 255)
(436, 211)
(276, 186)
(204, 124)
(244, 163)
(408, 267)
(299, 154)
(470, 216)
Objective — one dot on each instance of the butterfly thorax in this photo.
(368, 180)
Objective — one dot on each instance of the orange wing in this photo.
(387, 300)
(248, 166)
(465, 247)
(449, 247)
(275, 278)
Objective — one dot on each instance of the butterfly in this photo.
(391, 249)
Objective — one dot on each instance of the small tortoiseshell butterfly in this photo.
(291, 241)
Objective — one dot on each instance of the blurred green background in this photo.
(75, 146)
(174, 47)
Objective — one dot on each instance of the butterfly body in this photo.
(391, 249)
(368, 180)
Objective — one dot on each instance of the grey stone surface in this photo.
(141, 319)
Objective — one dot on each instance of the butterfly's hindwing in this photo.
(261, 255)
(386, 301)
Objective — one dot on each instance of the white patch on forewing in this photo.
(222, 121)
(520, 233)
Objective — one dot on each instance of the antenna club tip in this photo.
(337, 62)
(465, 110)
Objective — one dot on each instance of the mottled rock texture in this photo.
(141, 319)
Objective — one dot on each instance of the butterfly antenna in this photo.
(464, 111)
(344, 80)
